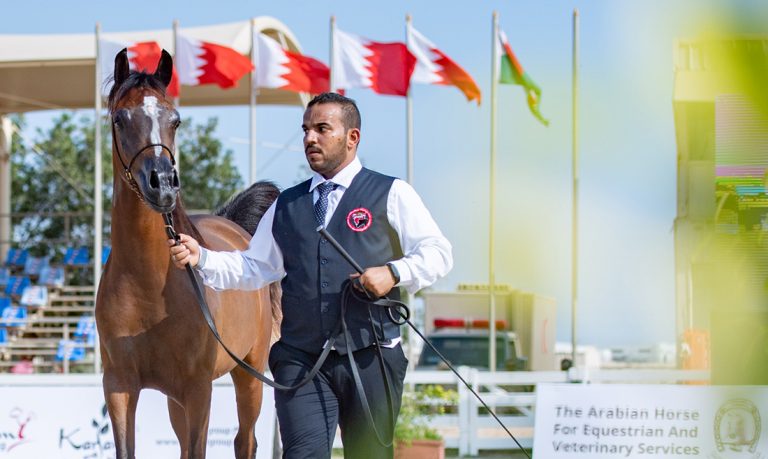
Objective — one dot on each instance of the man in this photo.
(384, 225)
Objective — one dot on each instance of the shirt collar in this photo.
(343, 178)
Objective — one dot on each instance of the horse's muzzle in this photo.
(161, 186)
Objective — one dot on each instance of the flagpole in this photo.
(492, 201)
(575, 180)
(408, 114)
(252, 107)
(331, 55)
(177, 99)
(97, 185)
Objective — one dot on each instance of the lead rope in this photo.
(393, 308)
(203, 304)
(399, 308)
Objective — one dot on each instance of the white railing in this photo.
(513, 396)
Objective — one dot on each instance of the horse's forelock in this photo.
(134, 80)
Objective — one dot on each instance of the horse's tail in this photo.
(246, 209)
(275, 295)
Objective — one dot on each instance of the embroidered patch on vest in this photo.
(359, 219)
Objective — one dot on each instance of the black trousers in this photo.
(309, 415)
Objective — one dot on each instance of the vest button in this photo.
(324, 284)
(323, 261)
(323, 240)
(324, 309)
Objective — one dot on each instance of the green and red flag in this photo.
(511, 72)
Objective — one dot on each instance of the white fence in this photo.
(513, 394)
(469, 428)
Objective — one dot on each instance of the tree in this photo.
(208, 175)
(54, 175)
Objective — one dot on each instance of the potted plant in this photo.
(414, 436)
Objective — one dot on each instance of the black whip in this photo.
(400, 308)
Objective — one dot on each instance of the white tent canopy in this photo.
(54, 72)
(50, 72)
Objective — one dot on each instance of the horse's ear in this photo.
(165, 68)
(121, 67)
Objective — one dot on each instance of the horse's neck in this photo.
(138, 233)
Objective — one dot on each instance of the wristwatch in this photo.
(395, 273)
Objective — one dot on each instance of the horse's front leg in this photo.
(197, 407)
(122, 395)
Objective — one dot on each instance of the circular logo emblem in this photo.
(359, 219)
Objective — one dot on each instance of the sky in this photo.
(627, 150)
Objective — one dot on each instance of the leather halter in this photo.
(127, 175)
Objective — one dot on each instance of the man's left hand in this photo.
(377, 280)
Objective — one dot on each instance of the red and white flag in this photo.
(201, 62)
(434, 67)
(386, 68)
(279, 68)
(142, 57)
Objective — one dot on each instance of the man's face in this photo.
(328, 146)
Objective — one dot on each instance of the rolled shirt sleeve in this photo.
(427, 254)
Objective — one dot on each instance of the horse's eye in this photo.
(176, 124)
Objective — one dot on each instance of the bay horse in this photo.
(151, 331)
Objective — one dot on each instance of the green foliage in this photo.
(208, 174)
(417, 409)
(53, 174)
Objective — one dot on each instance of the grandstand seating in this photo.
(46, 319)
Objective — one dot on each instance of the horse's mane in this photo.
(247, 207)
(134, 80)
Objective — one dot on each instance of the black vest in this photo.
(315, 271)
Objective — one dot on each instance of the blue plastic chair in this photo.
(70, 350)
(16, 285)
(77, 256)
(13, 316)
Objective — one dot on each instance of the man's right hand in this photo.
(188, 251)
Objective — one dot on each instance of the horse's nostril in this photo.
(154, 180)
(175, 180)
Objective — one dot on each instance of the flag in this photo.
(201, 62)
(279, 68)
(386, 68)
(142, 57)
(434, 67)
(511, 72)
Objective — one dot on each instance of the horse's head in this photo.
(144, 126)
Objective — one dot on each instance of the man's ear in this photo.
(353, 137)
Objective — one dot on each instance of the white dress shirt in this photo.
(427, 253)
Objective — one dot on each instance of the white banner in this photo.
(71, 422)
(592, 421)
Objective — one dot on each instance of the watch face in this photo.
(394, 271)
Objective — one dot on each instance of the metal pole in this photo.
(575, 192)
(332, 56)
(97, 186)
(252, 105)
(492, 200)
(177, 99)
(6, 144)
(408, 113)
(409, 173)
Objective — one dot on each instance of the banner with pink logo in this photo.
(63, 416)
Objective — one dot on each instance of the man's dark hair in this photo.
(349, 109)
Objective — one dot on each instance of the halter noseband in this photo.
(127, 168)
